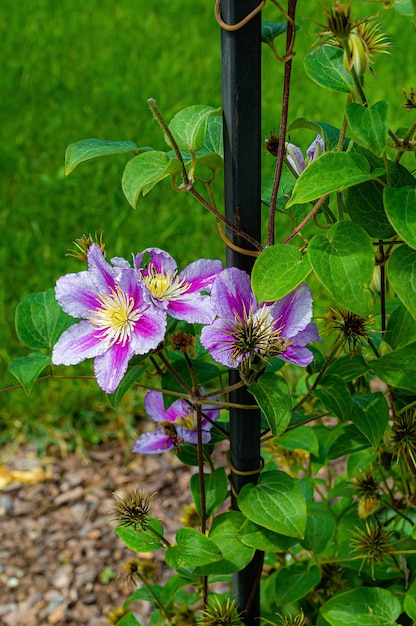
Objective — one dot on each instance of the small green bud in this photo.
(357, 56)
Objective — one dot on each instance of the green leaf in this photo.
(275, 502)
(271, 30)
(188, 126)
(369, 125)
(141, 540)
(225, 533)
(402, 276)
(398, 368)
(320, 527)
(87, 149)
(143, 172)
(400, 206)
(362, 606)
(335, 395)
(401, 327)
(27, 369)
(301, 438)
(295, 582)
(347, 367)
(410, 601)
(192, 549)
(405, 7)
(216, 487)
(273, 397)
(277, 271)
(128, 620)
(263, 539)
(344, 263)
(325, 66)
(370, 414)
(40, 320)
(350, 440)
(333, 171)
(214, 142)
(364, 202)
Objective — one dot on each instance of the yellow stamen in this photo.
(115, 317)
(165, 286)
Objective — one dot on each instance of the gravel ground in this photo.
(60, 559)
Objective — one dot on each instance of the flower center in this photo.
(256, 334)
(187, 421)
(165, 286)
(115, 316)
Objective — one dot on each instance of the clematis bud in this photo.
(356, 55)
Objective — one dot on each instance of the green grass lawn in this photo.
(74, 69)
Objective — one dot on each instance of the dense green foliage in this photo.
(71, 70)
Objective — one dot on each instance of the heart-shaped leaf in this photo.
(87, 149)
(273, 397)
(275, 502)
(402, 276)
(40, 320)
(325, 66)
(188, 126)
(344, 263)
(277, 271)
(27, 368)
(192, 549)
(225, 533)
(400, 207)
(362, 606)
(333, 171)
(369, 125)
(143, 172)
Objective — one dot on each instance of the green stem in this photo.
(155, 110)
(310, 215)
(161, 538)
(176, 375)
(281, 149)
(154, 596)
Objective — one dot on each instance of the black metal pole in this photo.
(241, 93)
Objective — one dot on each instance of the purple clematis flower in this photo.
(179, 294)
(296, 159)
(245, 332)
(177, 424)
(118, 319)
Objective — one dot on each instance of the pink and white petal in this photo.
(155, 408)
(161, 260)
(201, 274)
(110, 367)
(308, 335)
(150, 443)
(295, 157)
(148, 331)
(294, 311)
(77, 294)
(102, 273)
(129, 281)
(194, 309)
(316, 148)
(219, 344)
(77, 343)
(232, 293)
(297, 355)
(191, 436)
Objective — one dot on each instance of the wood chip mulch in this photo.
(60, 559)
